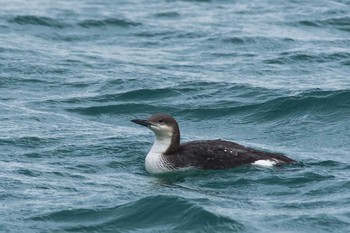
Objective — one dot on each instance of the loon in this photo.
(167, 154)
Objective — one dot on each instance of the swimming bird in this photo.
(167, 154)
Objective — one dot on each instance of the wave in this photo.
(108, 22)
(38, 20)
(54, 23)
(154, 213)
(288, 57)
(130, 108)
(322, 104)
(247, 40)
(217, 100)
(263, 42)
(169, 14)
(28, 141)
(341, 23)
(324, 222)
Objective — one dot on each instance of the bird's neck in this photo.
(166, 144)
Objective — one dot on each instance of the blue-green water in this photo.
(273, 75)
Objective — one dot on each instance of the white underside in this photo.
(265, 163)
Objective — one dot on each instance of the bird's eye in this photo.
(161, 121)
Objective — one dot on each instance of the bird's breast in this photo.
(156, 163)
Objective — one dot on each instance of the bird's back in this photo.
(219, 154)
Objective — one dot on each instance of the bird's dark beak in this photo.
(142, 122)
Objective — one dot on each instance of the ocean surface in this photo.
(273, 75)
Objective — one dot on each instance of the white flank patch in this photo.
(265, 163)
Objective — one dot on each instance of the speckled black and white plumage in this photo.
(167, 154)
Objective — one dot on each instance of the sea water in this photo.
(273, 75)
